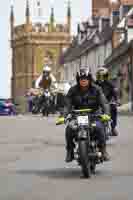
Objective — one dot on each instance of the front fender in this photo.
(82, 134)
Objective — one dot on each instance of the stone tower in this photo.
(33, 46)
(69, 18)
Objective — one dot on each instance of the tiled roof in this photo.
(106, 34)
(76, 50)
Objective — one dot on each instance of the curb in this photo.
(125, 113)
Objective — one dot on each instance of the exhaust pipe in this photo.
(95, 155)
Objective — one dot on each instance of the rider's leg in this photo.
(114, 116)
(69, 136)
(101, 137)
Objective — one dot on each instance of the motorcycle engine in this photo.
(73, 124)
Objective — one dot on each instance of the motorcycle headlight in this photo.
(93, 124)
(82, 134)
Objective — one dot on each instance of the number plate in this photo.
(83, 120)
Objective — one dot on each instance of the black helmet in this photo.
(83, 73)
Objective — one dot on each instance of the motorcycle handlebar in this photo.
(82, 110)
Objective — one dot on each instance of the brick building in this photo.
(104, 7)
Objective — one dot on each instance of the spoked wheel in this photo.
(35, 110)
(84, 159)
(45, 112)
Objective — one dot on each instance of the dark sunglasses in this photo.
(83, 78)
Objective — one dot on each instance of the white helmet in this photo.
(102, 73)
(46, 69)
(102, 70)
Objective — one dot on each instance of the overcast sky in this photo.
(80, 11)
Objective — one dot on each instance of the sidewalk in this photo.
(125, 109)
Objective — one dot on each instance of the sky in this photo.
(81, 10)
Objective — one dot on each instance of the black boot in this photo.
(114, 132)
(105, 154)
(69, 155)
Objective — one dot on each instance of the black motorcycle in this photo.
(108, 129)
(36, 105)
(86, 150)
(46, 105)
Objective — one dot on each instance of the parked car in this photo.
(7, 107)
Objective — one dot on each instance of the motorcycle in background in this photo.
(36, 105)
(46, 103)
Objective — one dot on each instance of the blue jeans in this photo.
(114, 115)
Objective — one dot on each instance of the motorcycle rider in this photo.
(85, 95)
(110, 93)
(46, 81)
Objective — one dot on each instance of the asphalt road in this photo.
(32, 163)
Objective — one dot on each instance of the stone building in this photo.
(120, 62)
(105, 7)
(34, 45)
(92, 45)
(100, 7)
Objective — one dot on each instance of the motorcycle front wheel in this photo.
(45, 112)
(84, 159)
(35, 110)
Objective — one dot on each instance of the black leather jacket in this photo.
(92, 98)
(108, 89)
